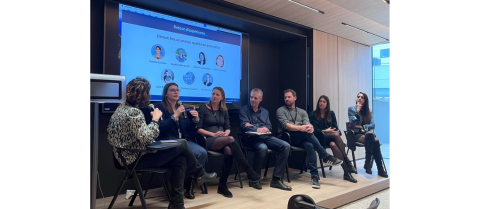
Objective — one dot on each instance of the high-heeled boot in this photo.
(350, 165)
(189, 185)
(347, 175)
(222, 187)
(240, 158)
(369, 141)
(377, 154)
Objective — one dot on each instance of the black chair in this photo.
(133, 174)
(352, 144)
(246, 149)
(286, 137)
(215, 154)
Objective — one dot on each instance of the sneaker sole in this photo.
(316, 187)
(333, 165)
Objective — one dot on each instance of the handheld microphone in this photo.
(184, 113)
(151, 107)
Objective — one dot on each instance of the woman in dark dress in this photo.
(214, 123)
(324, 120)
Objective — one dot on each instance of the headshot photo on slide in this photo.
(201, 58)
(181, 55)
(207, 79)
(189, 78)
(167, 76)
(219, 61)
(158, 52)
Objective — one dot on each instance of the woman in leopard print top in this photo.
(128, 129)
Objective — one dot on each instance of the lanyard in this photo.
(291, 114)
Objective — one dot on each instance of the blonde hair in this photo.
(223, 106)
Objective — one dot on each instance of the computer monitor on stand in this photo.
(103, 88)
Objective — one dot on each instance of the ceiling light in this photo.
(386, 1)
(362, 30)
(303, 5)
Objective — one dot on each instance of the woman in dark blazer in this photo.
(175, 125)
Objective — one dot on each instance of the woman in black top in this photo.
(324, 120)
(214, 123)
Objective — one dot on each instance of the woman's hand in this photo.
(194, 114)
(359, 106)
(219, 133)
(156, 114)
(179, 111)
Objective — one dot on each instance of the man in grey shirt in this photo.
(255, 119)
(295, 121)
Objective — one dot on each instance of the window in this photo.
(381, 91)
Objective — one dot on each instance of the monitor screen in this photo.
(164, 49)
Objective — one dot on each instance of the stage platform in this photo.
(334, 192)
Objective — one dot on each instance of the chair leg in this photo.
(118, 191)
(205, 187)
(323, 170)
(132, 200)
(354, 162)
(239, 177)
(330, 168)
(266, 165)
(139, 190)
(166, 185)
(304, 166)
(149, 182)
(288, 175)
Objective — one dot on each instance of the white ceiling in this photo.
(369, 15)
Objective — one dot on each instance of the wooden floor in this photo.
(334, 192)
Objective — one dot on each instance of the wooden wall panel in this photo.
(325, 69)
(340, 71)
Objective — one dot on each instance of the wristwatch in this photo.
(156, 122)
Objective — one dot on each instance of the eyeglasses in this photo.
(174, 90)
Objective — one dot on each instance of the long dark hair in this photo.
(165, 103)
(138, 92)
(365, 111)
(202, 61)
(223, 106)
(317, 112)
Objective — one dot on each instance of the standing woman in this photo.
(361, 122)
(324, 120)
(176, 126)
(214, 123)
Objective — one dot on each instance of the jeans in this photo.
(199, 152)
(311, 144)
(260, 144)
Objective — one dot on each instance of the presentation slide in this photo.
(164, 49)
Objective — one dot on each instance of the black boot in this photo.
(377, 154)
(369, 141)
(348, 176)
(223, 190)
(227, 165)
(349, 165)
(238, 155)
(189, 189)
(346, 173)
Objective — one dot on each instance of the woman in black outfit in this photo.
(214, 123)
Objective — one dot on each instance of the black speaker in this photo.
(302, 201)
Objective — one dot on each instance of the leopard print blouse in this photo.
(127, 129)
